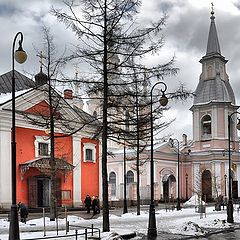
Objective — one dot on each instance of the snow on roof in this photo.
(4, 97)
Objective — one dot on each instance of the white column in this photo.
(238, 179)
(196, 177)
(214, 120)
(218, 179)
(5, 168)
(100, 170)
(77, 171)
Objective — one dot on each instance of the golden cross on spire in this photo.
(40, 55)
(212, 8)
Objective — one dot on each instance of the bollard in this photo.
(76, 232)
(67, 223)
(92, 229)
(67, 227)
(85, 233)
(44, 223)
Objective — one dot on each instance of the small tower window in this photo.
(206, 125)
(209, 72)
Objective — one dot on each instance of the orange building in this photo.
(76, 154)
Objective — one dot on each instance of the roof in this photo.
(22, 82)
(215, 89)
(43, 165)
(213, 46)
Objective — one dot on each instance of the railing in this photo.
(79, 230)
(77, 234)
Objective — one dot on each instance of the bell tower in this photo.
(214, 99)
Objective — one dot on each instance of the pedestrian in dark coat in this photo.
(95, 205)
(23, 212)
(88, 203)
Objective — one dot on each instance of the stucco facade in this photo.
(204, 160)
(77, 159)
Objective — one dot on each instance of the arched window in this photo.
(206, 125)
(130, 177)
(209, 72)
(112, 182)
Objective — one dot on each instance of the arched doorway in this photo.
(207, 185)
(169, 187)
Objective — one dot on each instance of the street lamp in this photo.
(230, 202)
(186, 186)
(20, 56)
(178, 155)
(152, 231)
(125, 210)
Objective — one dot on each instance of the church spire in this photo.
(213, 44)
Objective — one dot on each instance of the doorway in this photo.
(43, 192)
(207, 185)
(235, 189)
(169, 184)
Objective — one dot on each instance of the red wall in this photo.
(90, 172)
(25, 152)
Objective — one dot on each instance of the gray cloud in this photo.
(186, 36)
(7, 9)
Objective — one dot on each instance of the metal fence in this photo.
(79, 234)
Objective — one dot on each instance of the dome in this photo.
(41, 78)
(216, 90)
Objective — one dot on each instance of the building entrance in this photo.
(207, 185)
(169, 181)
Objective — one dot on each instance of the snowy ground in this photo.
(186, 222)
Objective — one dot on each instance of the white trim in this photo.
(92, 147)
(41, 139)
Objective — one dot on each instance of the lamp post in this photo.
(20, 56)
(230, 202)
(125, 210)
(225, 185)
(186, 186)
(125, 180)
(152, 231)
(178, 158)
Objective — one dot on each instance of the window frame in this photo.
(92, 147)
(41, 139)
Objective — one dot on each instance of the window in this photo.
(42, 146)
(130, 177)
(112, 182)
(206, 126)
(209, 72)
(43, 149)
(89, 154)
(89, 151)
(66, 194)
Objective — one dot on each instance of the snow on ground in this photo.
(186, 222)
(194, 201)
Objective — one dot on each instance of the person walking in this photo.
(23, 211)
(88, 203)
(96, 205)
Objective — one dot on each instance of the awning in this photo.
(43, 164)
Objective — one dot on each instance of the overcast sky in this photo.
(185, 34)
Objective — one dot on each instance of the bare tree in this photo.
(109, 38)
